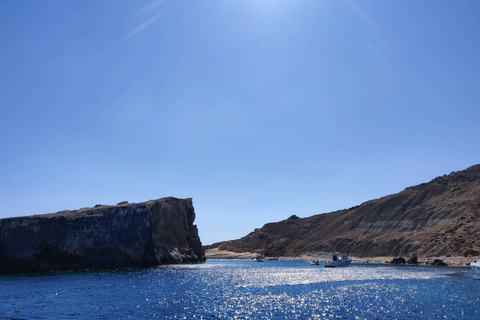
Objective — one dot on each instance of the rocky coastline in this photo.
(436, 219)
(124, 235)
(440, 261)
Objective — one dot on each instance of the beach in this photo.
(456, 261)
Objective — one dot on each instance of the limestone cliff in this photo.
(126, 235)
(438, 218)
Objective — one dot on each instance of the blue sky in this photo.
(257, 109)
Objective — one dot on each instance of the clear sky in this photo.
(256, 109)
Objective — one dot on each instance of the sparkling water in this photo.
(233, 289)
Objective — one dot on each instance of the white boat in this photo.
(338, 260)
(314, 262)
(476, 265)
(258, 259)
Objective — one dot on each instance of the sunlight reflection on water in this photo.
(245, 290)
(251, 276)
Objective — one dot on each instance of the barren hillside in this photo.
(441, 217)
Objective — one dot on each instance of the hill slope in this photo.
(441, 217)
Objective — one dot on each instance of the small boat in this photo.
(475, 265)
(338, 260)
(314, 262)
(272, 259)
(258, 259)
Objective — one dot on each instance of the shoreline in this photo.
(422, 261)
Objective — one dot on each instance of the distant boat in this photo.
(314, 262)
(258, 259)
(476, 265)
(338, 260)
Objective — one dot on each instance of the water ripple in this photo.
(244, 290)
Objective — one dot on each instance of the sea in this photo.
(243, 289)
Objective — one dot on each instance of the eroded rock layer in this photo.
(126, 235)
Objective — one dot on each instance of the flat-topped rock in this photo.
(126, 235)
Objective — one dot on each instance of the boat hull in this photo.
(338, 264)
(475, 265)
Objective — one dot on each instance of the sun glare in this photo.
(270, 7)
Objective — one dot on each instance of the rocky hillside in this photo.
(126, 235)
(441, 217)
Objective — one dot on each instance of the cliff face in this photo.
(438, 218)
(126, 235)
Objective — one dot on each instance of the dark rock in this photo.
(413, 260)
(438, 262)
(470, 252)
(398, 260)
(136, 235)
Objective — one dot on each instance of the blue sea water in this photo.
(232, 289)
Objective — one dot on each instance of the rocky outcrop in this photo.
(438, 262)
(413, 260)
(398, 260)
(126, 235)
(438, 218)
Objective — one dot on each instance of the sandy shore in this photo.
(224, 254)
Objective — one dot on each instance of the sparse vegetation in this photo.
(212, 246)
(426, 220)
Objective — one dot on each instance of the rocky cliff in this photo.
(126, 235)
(438, 218)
